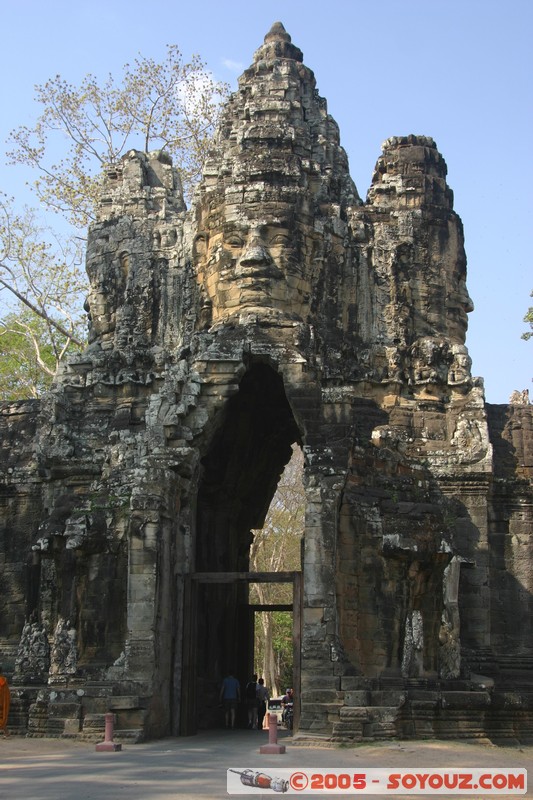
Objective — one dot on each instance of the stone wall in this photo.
(21, 501)
(511, 520)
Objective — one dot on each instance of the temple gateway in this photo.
(280, 310)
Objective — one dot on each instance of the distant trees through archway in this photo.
(276, 547)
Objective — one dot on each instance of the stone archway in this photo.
(203, 593)
(280, 308)
(241, 469)
(239, 474)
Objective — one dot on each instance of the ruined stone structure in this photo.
(280, 309)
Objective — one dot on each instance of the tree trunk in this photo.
(269, 660)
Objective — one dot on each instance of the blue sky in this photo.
(457, 70)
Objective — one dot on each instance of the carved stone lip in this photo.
(255, 287)
(251, 278)
(263, 272)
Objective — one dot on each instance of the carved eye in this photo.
(279, 239)
(234, 241)
(200, 244)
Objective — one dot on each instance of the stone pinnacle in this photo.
(277, 32)
(278, 44)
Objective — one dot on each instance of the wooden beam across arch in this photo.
(249, 577)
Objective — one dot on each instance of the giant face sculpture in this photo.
(458, 305)
(255, 266)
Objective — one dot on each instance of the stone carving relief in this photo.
(429, 361)
(33, 657)
(63, 654)
(459, 373)
(450, 632)
(413, 645)
(469, 439)
(519, 398)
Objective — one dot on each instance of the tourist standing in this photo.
(250, 695)
(262, 699)
(230, 696)
(5, 701)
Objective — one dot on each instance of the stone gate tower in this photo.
(280, 309)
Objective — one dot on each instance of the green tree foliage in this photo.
(30, 352)
(529, 318)
(276, 548)
(41, 288)
(283, 649)
(172, 106)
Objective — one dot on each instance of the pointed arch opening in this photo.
(241, 470)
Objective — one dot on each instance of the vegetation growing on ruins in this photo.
(276, 547)
(529, 318)
(80, 131)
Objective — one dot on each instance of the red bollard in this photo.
(108, 745)
(272, 748)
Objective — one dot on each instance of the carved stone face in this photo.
(256, 267)
(460, 367)
(459, 304)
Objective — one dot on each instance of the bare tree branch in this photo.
(40, 312)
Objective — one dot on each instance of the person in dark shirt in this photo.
(250, 694)
(262, 699)
(230, 695)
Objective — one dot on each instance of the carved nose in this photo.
(465, 299)
(256, 262)
(255, 253)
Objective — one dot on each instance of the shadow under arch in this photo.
(240, 471)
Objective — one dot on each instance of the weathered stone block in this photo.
(93, 723)
(123, 703)
(72, 727)
(357, 698)
(465, 700)
(64, 710)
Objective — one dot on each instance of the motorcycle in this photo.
(287, 716)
